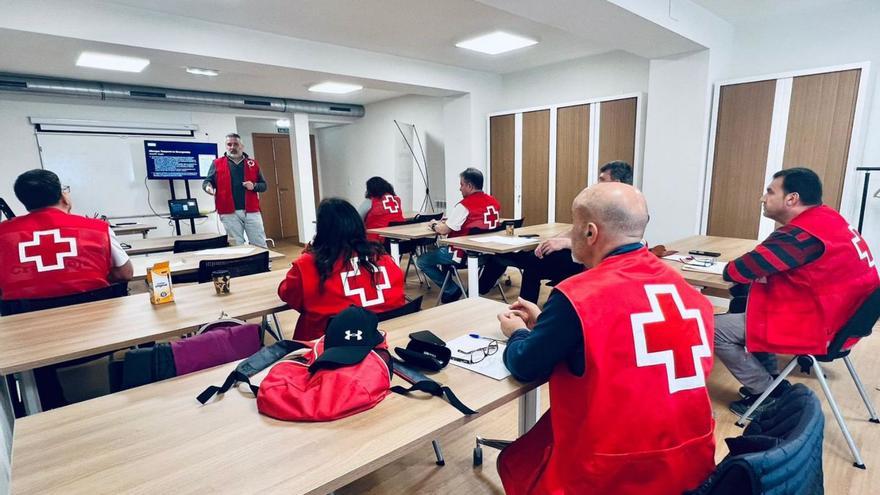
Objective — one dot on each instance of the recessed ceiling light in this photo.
(283, 123)
(111, 62)
(203, 72)
(495, 43)
(335, 88)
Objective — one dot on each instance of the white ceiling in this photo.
(419, 29)
(744, 11)
(38, 54)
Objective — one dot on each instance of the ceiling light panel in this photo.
(335, 88)
(111, 62)
(496, 43)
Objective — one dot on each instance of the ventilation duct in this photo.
(122, 92)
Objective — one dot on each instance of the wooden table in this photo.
(135, 228)
(160, 244)
(475, 248)
(189, 262)
(51, 336)
(159, 439)
(407, 232)
(729, 247)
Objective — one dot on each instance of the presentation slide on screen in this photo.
(178, 159)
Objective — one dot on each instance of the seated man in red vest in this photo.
(477, 210)
(51, 253)
(380, 207)
(806, 280)
(627, 346)
(339, 268)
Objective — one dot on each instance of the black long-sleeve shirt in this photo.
(236, 176)
(532, 355)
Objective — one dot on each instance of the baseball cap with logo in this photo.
(349, 338)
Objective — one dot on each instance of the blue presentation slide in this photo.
(178, 159)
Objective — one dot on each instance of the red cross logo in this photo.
(361, 291)
(390, 204)
(660, 333)
(491, 217)
(44, 253)
(862, 247)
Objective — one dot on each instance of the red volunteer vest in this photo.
(799, 311)
(484, 213)
(344, 287)
(223, 193)
(50, 253)
(383, 211)
(639, 421)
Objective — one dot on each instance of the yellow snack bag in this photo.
(159, 280)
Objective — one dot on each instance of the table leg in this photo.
(529, 407)
(144, 233)
(473, 272)
(395, 251)
(29, 392)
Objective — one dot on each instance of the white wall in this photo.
(608, 74)
(837, 34)
(675, 146)
(24, 155)
(351, 154)
(247, 126)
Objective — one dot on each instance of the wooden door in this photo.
(535, 166)
(742, 139)
(820, 121)
(617, 131)
(278, 203)
(572, 155)
(501, 156)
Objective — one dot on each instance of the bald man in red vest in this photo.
(804, 282)
(627, 347)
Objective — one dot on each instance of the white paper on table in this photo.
(226, 250)
(492, 366)
(717, 268)
(677, 257)
(511, 241)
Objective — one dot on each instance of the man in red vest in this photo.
(805, 281)
(235, 179)
(627, 346)
(51, 253)
(477, 210)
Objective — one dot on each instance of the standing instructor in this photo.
(234, 180)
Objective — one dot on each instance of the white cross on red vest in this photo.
(862, 247)
(47, 250)
(361, 292)
(658, 335)
(390, 204)
(491, 217)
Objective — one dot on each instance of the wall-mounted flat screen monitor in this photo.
(178, 159)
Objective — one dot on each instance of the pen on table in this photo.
(478, 336)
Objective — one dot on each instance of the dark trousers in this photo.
(556, 267)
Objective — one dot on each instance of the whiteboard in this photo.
(106, 174)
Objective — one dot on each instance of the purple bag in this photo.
(215, 346)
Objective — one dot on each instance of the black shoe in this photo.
(744, 392)
(448, 298)
(741, 406)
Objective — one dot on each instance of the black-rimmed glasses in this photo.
(65, 189)
(477, 355)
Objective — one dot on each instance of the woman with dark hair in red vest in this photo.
(381, 206)
(338, 269)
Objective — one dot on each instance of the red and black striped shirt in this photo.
(786, 248)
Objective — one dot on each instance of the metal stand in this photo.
(192, 221)
(867, 171)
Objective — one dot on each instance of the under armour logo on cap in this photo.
(350, 336)
(359, 335)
